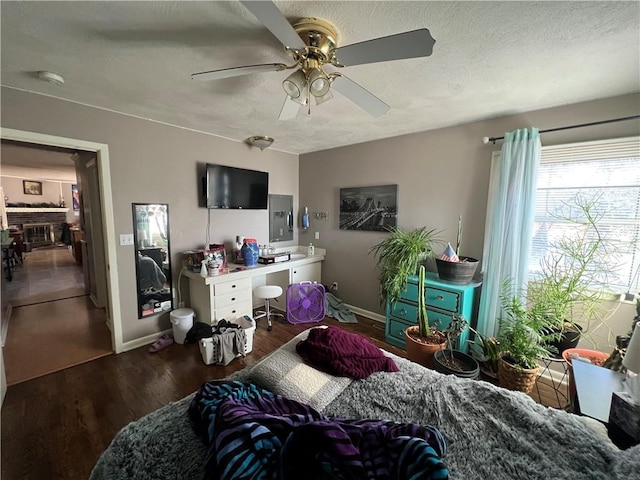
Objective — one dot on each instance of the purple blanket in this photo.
(344, 354)
(255, 434)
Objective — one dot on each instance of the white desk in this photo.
(229, 295)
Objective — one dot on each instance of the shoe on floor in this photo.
(163, 342)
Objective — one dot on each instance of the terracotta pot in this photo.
(516, 378)
(420, 351)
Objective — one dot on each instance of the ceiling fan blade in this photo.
(360, 96)
(237, 71)
(417, 43)
(276, 23)
(289, 110)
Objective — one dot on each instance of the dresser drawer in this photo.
(230, 287)
(443, 299)
(232, 298)
(410, 293)
(395, 331)
(438, 319)
(405, 311)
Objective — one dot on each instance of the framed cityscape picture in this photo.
(32, 188)
(369, 208)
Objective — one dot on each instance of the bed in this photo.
(490, 433)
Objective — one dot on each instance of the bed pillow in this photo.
(285, 373)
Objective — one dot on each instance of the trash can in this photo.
(181, 322)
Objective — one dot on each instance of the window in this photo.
(606, 172)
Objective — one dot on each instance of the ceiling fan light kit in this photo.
(313, 44)
(260, 141)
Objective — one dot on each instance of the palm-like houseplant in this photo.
(522, 336)
(399, 256)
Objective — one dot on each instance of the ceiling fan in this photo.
(313, 45)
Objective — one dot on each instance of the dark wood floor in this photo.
(56, 426)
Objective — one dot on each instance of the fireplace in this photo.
(39, 234)
(41, 226)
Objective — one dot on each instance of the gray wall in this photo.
(153, 162)
(441, 174)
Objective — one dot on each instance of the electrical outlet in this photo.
(334, 286)
(317, 235)
(126, 239)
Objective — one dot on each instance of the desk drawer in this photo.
(232, 298)
(438, 319)
(443, 299)
(230, 287)
(232, 312)
(405, 311)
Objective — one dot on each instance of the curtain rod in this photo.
(486, 140)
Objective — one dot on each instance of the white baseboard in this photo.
(366, 313)
(141, 342)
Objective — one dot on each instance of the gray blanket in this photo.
(492, 433)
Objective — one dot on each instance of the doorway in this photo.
(105, 219)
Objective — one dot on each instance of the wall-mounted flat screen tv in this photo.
(236, 188)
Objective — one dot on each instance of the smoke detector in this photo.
(51, 77)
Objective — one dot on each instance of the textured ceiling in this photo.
(490, 59)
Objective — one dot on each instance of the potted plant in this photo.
(423, 340)
(569, 286)
(521, 337)
(486, 353)
(455, 362)
(455, 268)
(398, 257)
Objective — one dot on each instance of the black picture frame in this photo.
(369, 208)
(31, 187)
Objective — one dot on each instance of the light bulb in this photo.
(294, 84)
(318, 83)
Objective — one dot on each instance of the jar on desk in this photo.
(250, 252)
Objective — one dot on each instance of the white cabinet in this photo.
(225, 300)
(311, 272)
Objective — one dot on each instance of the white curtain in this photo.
(508, 228)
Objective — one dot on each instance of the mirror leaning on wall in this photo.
(153, 258)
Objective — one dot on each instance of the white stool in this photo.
(267, 292)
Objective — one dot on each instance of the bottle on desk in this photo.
(311, 250)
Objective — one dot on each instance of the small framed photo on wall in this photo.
(32, 188)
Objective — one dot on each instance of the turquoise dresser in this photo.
(443, 299)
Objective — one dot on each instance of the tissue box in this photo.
(625, 415)
(206, 344)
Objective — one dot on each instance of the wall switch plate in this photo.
(126, 239)
(317, 235)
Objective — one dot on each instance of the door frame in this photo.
(114, 319)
